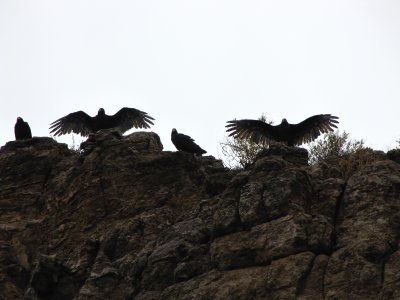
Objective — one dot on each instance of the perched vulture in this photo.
(291, 134)
(81, 123)
(22, 130)
(185, 143)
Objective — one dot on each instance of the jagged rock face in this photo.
(121, 219)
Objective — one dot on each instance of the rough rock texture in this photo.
(120, 219)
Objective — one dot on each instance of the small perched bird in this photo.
(22, 130)
(81, 123)
(185, 143)
(291, 134)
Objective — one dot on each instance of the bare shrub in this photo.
(238, 153)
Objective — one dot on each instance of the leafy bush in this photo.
(348, 155)
(333, 145)
(356, 160)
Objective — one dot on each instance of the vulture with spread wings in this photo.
(291, 134)
(185, 143)
(81, 123)
(22, 130)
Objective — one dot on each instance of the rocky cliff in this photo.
(122, 219)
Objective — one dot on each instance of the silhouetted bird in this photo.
(81, 123)
(185, 143)
(22, 130)
(291, 134)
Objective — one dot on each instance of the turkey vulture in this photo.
(185, 143)
(83, 124)
(291, 134)
(22, 130)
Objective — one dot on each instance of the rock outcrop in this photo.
(122, 219)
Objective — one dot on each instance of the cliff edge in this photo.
(123, 219)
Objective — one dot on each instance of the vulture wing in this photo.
(126, 118)
(78, 122)
(309, 129)
(256, 130)
(27, 131)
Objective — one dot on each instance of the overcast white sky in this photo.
(194, 65)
